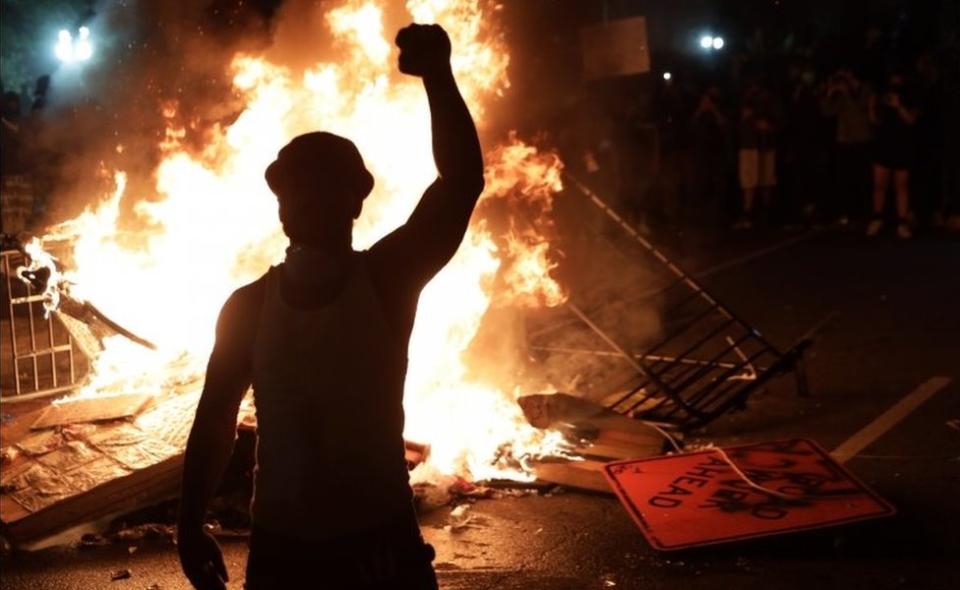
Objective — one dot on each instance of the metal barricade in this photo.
(707, 361)
(39, 356)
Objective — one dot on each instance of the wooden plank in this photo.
(618, 451)
(94, 409)
(584, 475)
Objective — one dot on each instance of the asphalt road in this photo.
(896, 325)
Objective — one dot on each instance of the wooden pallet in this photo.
(600, 436)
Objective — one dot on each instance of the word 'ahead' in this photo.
(695, 499)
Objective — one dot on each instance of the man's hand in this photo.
(424, 50)
(201, 559)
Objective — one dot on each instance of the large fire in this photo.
(215, 228)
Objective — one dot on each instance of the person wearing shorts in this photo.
(894, 116)
(757, 162)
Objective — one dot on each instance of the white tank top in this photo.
(328, 386)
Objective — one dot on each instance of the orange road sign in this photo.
(694, 499)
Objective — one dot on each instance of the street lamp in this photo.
(69, 50)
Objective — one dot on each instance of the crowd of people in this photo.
(793, 145)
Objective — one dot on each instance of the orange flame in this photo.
(215, 227)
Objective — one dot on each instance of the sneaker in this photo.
(903, 231)
(742, 223)
(874, 227)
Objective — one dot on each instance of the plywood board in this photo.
(66, 477)
(92, 409)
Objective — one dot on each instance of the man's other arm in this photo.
(211, 442)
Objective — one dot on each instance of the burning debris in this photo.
(159, 269)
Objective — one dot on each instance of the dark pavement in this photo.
(896, 325)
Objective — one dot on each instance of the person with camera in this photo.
(894, 116)
(847, 98)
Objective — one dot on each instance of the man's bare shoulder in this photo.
(244, 303)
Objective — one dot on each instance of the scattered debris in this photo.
(91, 540)
(121, 575)
(954, 424)
(126, 535)
(459, 518)
(8, 455)
(146, 531)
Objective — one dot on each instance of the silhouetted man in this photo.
(322, 338)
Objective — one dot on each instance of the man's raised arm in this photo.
(432, 234)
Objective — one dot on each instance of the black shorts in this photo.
(389, 557)
(893, 154)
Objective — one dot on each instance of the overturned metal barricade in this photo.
(40, 358)
(707, 360)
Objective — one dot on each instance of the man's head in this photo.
(320, 182)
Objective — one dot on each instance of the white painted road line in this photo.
(889, 419)
(751, 256)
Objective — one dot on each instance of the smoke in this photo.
(153, 61)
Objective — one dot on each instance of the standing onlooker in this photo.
(894, 115)
(670, 186)
(848, 99)
(758, 152)
(708, 159)
(803, 137)
(929, 198)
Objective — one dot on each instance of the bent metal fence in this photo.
(708, 360)
(38, 352)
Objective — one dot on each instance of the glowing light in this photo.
(83, 49)
(718, 43)
(706, 41)
(64, 47)
(69, 50)
(667, 76)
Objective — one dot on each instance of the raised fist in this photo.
(424, 49)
